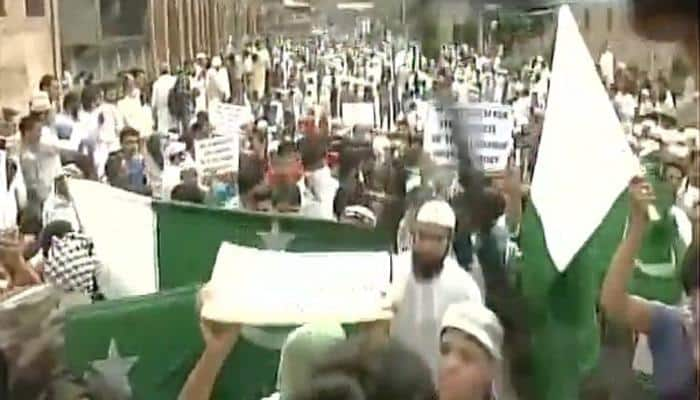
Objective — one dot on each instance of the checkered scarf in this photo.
(72, 264)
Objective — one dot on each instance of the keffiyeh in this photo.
(72, 264)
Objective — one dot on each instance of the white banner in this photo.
(217, 155)
(227, 119)
(486, 128)
(296, 288)
(358, 114)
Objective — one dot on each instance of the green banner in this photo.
(155, 342)
(188, 238)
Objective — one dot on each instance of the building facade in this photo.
(108, 36)
(28, 43)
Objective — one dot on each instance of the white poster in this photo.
(485, 128)
(295, 288)
(488, 130)
(437, 135)
(227, 119)
(217, 155)
(122, 225)
(358, 114)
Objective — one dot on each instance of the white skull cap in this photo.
(437, 212)
(477, 321)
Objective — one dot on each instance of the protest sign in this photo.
(358, 114)
(227, 119)
(485, 130)
(437, 135)
(217, 155)
(306, 287)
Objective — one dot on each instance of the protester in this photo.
(49, 84)
(470, 346)
(428, 282)
(160, 95)
(673, 334)
(40, 164)
(126, 168)
(303, 348)
(461, 319)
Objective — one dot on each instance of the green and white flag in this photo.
(576, 218)
(146, 339)
(148, 246)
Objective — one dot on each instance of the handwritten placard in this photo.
(217, 155)
(358, 114)
(296, 288)
(227, 119)
(484, 129)
(437, 136)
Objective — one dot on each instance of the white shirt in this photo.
(218, 88)
(421, 305)
(67, 125)
(159, 102)
(199, 82)
(135, 114)
(607, 66)
(324, 187)
(57, 208)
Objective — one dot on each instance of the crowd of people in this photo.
(304, 151)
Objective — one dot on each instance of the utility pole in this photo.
(403, 19)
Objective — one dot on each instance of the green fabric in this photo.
(562, 306)
(189, 238)
(302, 349)
(163, 331)
(660, 240)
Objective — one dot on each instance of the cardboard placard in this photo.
(485, 129)
(217, 155)
(278, 290)
(437, 135)
(227, 119)
(358, 114)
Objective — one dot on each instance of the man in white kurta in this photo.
(427, 281)
(159, 101)
(607, 67)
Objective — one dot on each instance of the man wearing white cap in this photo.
(428, 281)
(198, 83)
(218, 88)
(176, 156)
(471, 338)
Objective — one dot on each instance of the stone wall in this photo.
(26, 53)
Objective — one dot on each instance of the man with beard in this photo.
(428, 281)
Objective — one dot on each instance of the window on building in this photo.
(123, 17)
(3, 12)
(587, 19)
(610, 19)
(34, 8)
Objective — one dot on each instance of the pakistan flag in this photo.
(575, 219)
(145, 339)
